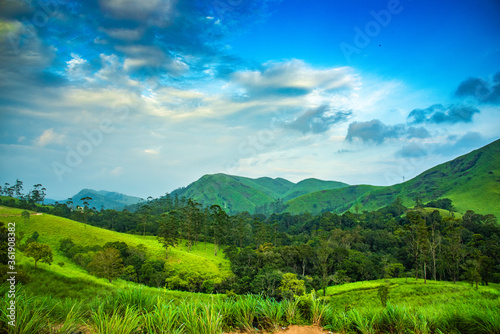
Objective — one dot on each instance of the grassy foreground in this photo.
(413, 307)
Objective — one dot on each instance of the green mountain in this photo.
(102, 198)
(334, 200)
(471, 181)
(237, 193)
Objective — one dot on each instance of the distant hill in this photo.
(471, 181)
(334, 200)
(102, 198)
(237, 193)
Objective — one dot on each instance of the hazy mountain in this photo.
(102, 198)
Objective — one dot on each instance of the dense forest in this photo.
(428, 241)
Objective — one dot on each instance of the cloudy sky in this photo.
(144, 96)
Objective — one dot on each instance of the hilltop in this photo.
(103, 199)
(237, 193)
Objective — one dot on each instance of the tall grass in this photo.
(126, 321)
(272, 313)
(163, 319)
(244, 314)
(32, 313)
(136, 310)
(318, 308)
(201, 318)
(70, 316)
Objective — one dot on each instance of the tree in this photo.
(86, 200)
(168, 234)
(26, 216)
(145, 212)
(37, 195)
(435, 239)
(383, 293)
(192, 218)
(323, 253)
(106, 263)
(416, 237)
(454, 248)
(291, 286)
(39, 252)
(219, 221)
(17, 188)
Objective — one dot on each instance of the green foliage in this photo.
(383, 293)
(202, 318)
(272, 313)
(39, 252)
(107, 263)
(291, 286)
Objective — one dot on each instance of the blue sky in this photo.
(142, 97)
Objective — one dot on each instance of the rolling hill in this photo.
(237, 193)
(52, 229)
(471, 181)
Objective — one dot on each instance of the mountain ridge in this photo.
(103, 199)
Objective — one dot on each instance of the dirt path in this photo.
(297, 330)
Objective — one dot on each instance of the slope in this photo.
(336, 200)
(471, 181)
(52, 229)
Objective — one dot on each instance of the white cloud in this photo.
(153, 151)
(295, 74)
(77, 67)
(49, 137)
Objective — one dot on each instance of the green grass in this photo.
(411, 293)
(52, 229)
(72, 281)
(131, 309)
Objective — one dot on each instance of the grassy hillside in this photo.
(227, 191)
(336, 200)
(237, 193)
(471, 181)
(52, 229)
(406, 293)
